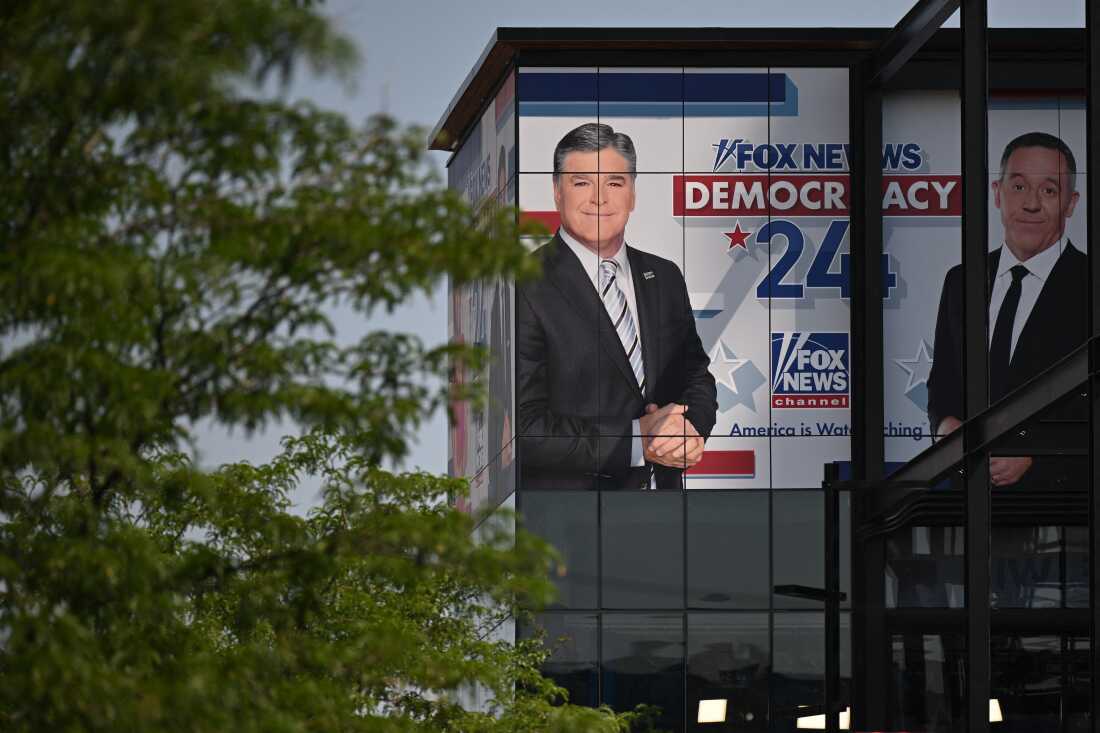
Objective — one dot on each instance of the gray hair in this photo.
(1042, 140)
(593, 137)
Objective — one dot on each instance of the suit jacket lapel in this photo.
(647, 294)
(569, 277)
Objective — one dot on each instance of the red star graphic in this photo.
(737, 237)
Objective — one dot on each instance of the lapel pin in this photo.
(648, 275)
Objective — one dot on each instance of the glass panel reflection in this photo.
(567, 520)
(925, 568)
(573, 663)
(725, 526)
(643, 550)
(1028, 567)
(728, 661)
(798, 672)
(797, 542)
(643, 663)
(929, 682)
(1041, 683)
(1039, 538)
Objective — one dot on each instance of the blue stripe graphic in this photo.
(641, 87)
(591, 94)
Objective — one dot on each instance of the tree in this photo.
(171, 244)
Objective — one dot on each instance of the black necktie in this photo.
(1001, 346)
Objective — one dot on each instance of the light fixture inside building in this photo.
(995, 711)
(817, 722)
(712, 711)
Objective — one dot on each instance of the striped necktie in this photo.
(614, 300)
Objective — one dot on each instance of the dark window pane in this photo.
(573, 663)
(845, 693)
(845, 554)
(1041, 683)
(727, 541)
(798, 547)
(798, 669)
(727, 672)
(924, 567)
(1077, 567)
(643, 550)
(929, 683)
(1026, 567)
(568, 521)
(643, 663)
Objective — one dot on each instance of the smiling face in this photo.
(1035, 196)
(595, 207)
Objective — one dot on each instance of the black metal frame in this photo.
(1092, 155)
(975, 229)
(968, 445)
(868, 446)
(870, 655)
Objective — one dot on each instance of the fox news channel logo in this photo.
(809, 369)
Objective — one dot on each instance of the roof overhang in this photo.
(725, 46)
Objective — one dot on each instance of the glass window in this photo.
(568, 521)
(573, 662)
(643, 549)
(1041, 683)
(929, 683)
(924, 567)
(728, 661)
(643, 663)
(1077, 567)
(798, 671)
(798, 547)
(1026, 566)
(727, 549)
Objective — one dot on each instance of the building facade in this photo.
(813, 568)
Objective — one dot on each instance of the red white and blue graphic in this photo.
(810, 370)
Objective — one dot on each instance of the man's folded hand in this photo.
(669, 438)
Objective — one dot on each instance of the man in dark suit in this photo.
(1037, 289)
(613, 388)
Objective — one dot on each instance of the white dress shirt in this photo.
(1038, 272)
(590, 261)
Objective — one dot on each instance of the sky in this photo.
(414, 56)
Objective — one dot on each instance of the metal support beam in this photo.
(908, 36)
(868, 395)
(975, 225)
(832, 600)
(1092, 156)
(870, 647)
(994, 424)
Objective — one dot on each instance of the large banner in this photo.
(729, 191)
(480, 313)
(1036, 216)
(742, 184)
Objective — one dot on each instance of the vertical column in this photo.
(1092, 154)
(870, 646)
(868, 449)
(832, 600)
(975, 366)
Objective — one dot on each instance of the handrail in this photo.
(981, 431)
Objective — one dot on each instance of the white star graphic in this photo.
(918, 368)
(724, 370)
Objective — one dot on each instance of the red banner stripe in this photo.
(549, 219)
(810, 195)
(730, 462)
